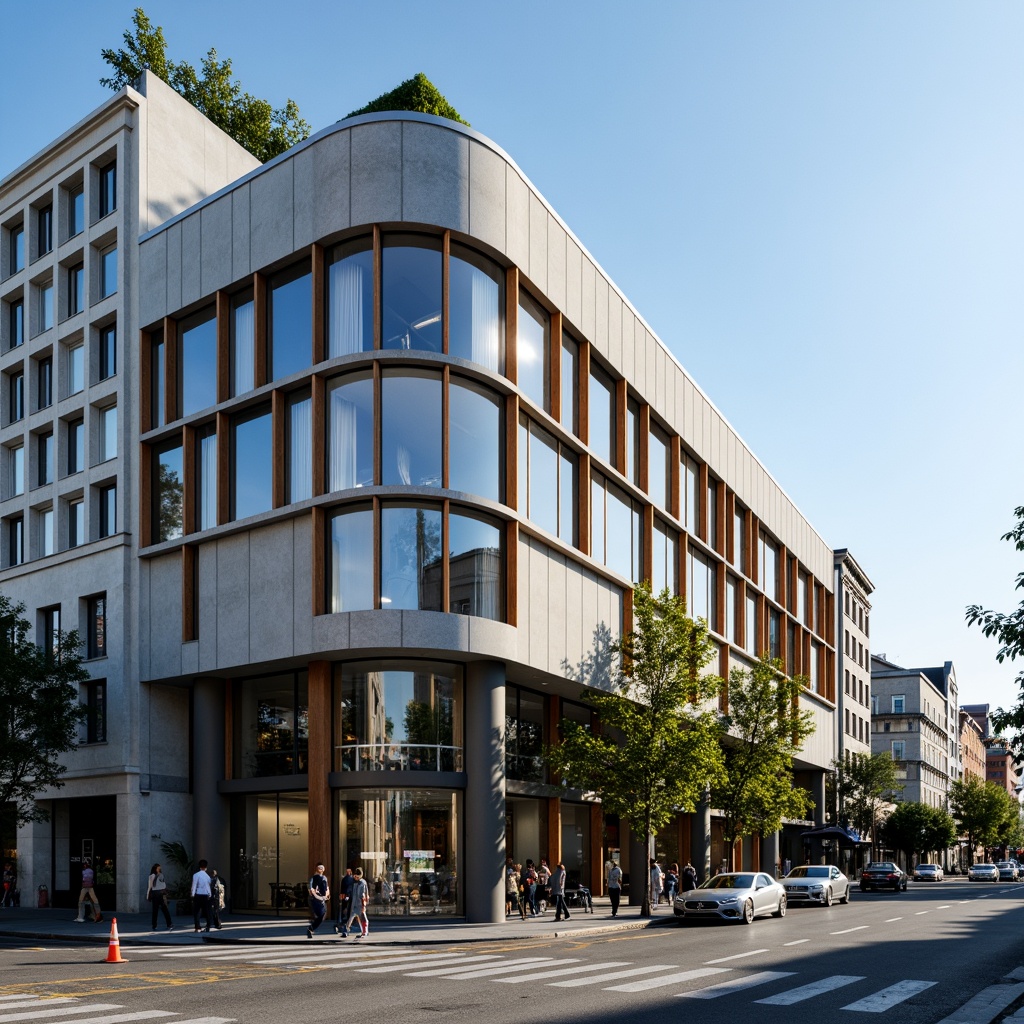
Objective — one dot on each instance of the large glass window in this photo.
(750, 623)
(243, 344)
(108, 351)
(570, 383)
(44, 382)
(108, 433)
(475, 568)
(197, 367)
(16, 396)
(658, 471)
(108, 189)
(732, 611)
(712, 513)
(768, 563)
(290, 322)
(475, 301)
(547, 481)
(739, 533)
(206, 479)
(615, 529)
(47, 539)
(76, 211)
(76, 368)
(476, 441)
(17, 254)
(350, 432)
(351, 564)
(665, 562)
(398, 716)
(411, 428)
(168, 490)
(45, 294)
(76, 445)
(252, 478)
(16, 457)
(271, 726)
(407, 843)
(632, 467)
(94, 697)
(602, 416)
(96, 631)
(76, 289)
(410, 558)
(108, 271)
(157, 381)
(270, 842)
(801, 598)
(300, 447)
(774, 633)
(44, 233)
(76, 523)
(525, 734)
(690, 500)
(411, 293)
(15, 540)
(350, 299)
(15, 324)
(532, 341)
(108, 510)
(701, 601)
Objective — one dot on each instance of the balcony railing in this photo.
(399, 757)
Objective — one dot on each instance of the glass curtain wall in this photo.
(411, 293)
(197, 365)
(290, 322)
(269, 871)
(350, 299)
(271, 726)
(475, 303)
(350, 432)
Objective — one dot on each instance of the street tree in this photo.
(863, 785)
(265, 131)
(765, 728)
(39, 711)
(1007, 628)
(658, 749)
(979, 810)
(915, 828)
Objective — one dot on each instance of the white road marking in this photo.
(723, 988)
(891, 919)
(65, 1011)
(889, 997)
(491, 972)
(312, 956)
(796, 942)
(846, 931)
(738, 956)
(666, 979)
(207, 1020)
(815, 988)
(454, 958)
(232, 950)
(920, 912)
(27, 1000)
(123, 1018)
(614, 976)
(945, 906)
(451, 971)
(562, 971)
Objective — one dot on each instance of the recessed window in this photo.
(76, 368)
(351, 579)
(411, 428)
(690, 498)
(45, 458)
(300, 447)
(108, 272)
(290, 322)
(15, 323)
(96, 626)
(44, 383)
(206, 479)
(94, 697)
(899, 704)
(732, 611)
(350, 299)
(712, 499)
(76, 211)
(349, 432)
(108, 510)
(899, 750)
(410, 558)
(76, 289)
(768, 565)
(108, 433)
(476, 441)
(547, 481)
(411, 293)
(168, 489)
(632, 468)
(750, 622)
(658, 469)
(665, 560)
(76, 523)
(197, 370)
(532, 339)
(602, 415)
(49, 630)
(475, 567)
(570, 383)
(157, 382)
(15, 540)
(108, 351)
(475, 302)
(108, 189)
(17, 250)
(44, 296)
(251, 464)
(16, 470)
(16, 396)
(701, 589)
(243, 345)
(44, 229)
(47, 538)
(615, 529)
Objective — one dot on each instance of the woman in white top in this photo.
(657, 882)
(156, 893)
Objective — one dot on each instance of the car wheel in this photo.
(781, 912)
(849, 893)
(748, 912)
(896, 887)
(904, 886)
(828, 897)
(863, 887)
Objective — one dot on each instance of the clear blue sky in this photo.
(818, 207)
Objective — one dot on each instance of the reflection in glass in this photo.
(270, 846)
(475, 439)
(411, 291)
(271, 721)
(475, 569)
(243, 346)
(350, 432)
(168, 481)
(291, 323)
(350, 302)
(665, 545)
(615, 529)
(632, 471)
(398, 716)
(570, 382)
(251, 465)
(547, 481)
(410, 558)
(76, 369)
(351, 569)
(700, 603)
(411, 429)
(750, 621)
(300, 447)
(474, 303)
(658, 470)
(690, 512)
(206, 479)
(156, 382)
(525, 727)
(197, 372)
(602, 416)
(532, 352)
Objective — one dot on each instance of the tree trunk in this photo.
(645, 907)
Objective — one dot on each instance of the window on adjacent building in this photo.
(15, 323)
(532, 340)
(94, 697)
(252, 489)
(350, 299)
(602, 415)
(475, 303)
(76, 445)
(108, 351)
(547, 481)
(96, 626)
(350, 432)
(76, 211)
(108, 189)
(16, 464)
(17, 253)
(45, 458)
(47, 539)
(44, 295)
(76, 368)
(108, 271)
(108, 433)
(290, 322)
(108, 510)
(168, 488)
(898, 704)
(898, 749)
(76, 289)
(76, 523)
(411, 293)
(570, 383)
(197, 365)
(49, 630)
(44, 229)
(16, 396)
(15, 540)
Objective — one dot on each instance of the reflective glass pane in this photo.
(623, 535)
(206, 478)
(568, 464)
(474, 302)
(198, 370)
(108, 272)
(411, 290)
(657, 474)
(108, 433)
(300, 448)
(45, 307)
(47, 529)
(476, 570)
(243, 347)
(411, 429)
(632, 472)
(271, 725)
(168, 487)
(602, 419)
(291, 324)
(570, 382)
(543, 479)
(531, 352)
(76, 369)
(597, 519)
(350, 305)
(351, 565)
(349, 432)
(251, 466)
(410, 558)
(475, 439)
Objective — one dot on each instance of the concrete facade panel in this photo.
(153, 279)
(302, 589)
(330, 633)
(487, 217)
(190, 658)
(271, 572)
(517, 220)
(369, 630)
(558, 644)
(435, 177)
(376, 178)
(272, 214)
(165, 614)
(241, 250)
(434, 631)
(331, 174)
(538, 243)
(216, 260)
(191, 259)
(523, 598)
(174, 266)
(493, 639)
(573, 597)
(540, 605)
(233, 600)
(304, 198)
(556, 263)
(206, 602)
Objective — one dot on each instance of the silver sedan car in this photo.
(823, 884)
(928, 873)
(735, 896)
(983, 873)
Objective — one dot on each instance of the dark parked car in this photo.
(883, 874)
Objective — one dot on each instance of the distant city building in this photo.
(999, 766)
(980, 714)
(972, 747)
(853, 658)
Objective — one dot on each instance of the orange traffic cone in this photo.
(114, 950)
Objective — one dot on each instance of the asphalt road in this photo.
(909, 958)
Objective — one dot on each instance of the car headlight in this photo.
(816, 888)
(731, 899)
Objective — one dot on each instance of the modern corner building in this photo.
(392, 451)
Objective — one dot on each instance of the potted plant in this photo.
(179, 883)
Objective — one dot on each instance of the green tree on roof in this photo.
(418, 94)
(213, 90)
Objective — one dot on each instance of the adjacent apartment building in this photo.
(853, 656)
(392, 450)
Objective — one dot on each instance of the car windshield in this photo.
(729, 882)
(926, 867)
(1004, 864)
(808, 872)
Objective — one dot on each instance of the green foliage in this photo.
(1008, 630)
(39, 711)
(658, 750)
(766, 728)
(177, 856)
(417, 93)
(214, 91)
(984, 812)
(915, 828)
(862, 784)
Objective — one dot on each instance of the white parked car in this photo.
(823, 884)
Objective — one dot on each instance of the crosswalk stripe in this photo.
(736, 956)
(454, 958)
(63, 1011)
(407, 962)
(490, 972)
(666, 979)
(879, 1002)
(846, 931)
(724, 988)
(209, 950)
(449, 971)
(815, 988)
(27, 1000)
(207, 1020)
(124, 1018)
(614, 976)
(310, 955)
(562, 971)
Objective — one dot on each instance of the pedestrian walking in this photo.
(530, 886)
(88, 893)
(657, 881)
(217, 893)
(615, 888)
(558, 891)
(671, 883)
(201, 892)
(10, 884)
(344, 904)
(543, 886)
(360, 898)
(511, 887)
(156, 893)
(319, 894)
(688, 878)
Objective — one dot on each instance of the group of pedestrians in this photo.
(352, 902)
(207, 897)
(530, 889)
(670, 881)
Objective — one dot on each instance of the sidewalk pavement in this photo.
(133, 929)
